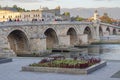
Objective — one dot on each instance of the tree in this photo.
(19, 9)
(15, 6)
(66, 13)
(77, 18)
(27, 10)
(106, 19)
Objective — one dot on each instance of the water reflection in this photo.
(104, 51)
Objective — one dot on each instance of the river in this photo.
(103, 51)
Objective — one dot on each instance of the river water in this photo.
(103, 51)
(109, 51)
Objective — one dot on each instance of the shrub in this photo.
(66, 63)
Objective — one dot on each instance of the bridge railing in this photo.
(19, 23)
(110, 25)
(41, 23)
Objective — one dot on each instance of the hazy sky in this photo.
(35, 4)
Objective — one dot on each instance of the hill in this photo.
(88, 12)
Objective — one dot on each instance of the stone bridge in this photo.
(30, 37)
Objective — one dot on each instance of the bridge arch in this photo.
(100, 31)
(108, 30)
(88, 31)
(51, 38)
(73, 35)
(18, 41)
(114, 32)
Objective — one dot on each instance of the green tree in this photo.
(66, 13)
(77, 18)
(19, 9)
(27, 10)
(15, 6)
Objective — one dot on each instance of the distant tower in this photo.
(96, 15)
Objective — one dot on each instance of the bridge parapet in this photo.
(20, 23)
(110, 25)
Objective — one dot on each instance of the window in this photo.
(3, 16)
(15, 16)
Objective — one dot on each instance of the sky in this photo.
(35, 4)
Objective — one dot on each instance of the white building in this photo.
(43, 14)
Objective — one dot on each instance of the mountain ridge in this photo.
(88, 12)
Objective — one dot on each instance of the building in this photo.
(104, 18)
(95, 17)
(6, 15)
(42, 14)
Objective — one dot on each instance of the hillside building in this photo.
(42, 14)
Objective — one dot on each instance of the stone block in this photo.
(64, 40)
(65, 70)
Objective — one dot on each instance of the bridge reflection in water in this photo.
(103, 51)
